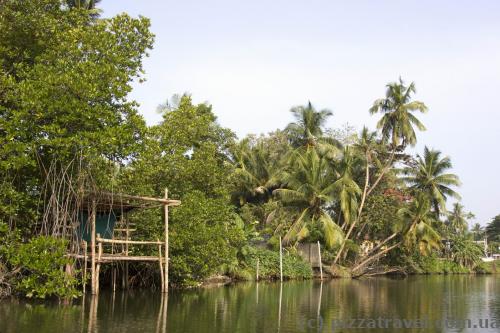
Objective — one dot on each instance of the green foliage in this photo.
(64, 80)
(431, 178)
(187, 152)
(42, 261)
(204, 236)
(398, 121)
(493, 229)
(432, 264)
(465, 252)
(380, 215)
(269, 265)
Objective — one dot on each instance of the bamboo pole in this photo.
(127, 242)
(320, 262)
(92, 244)
(165, 207)
(141, 198)
(85, 258)
(257, 271)
(161, 269)
(113, 277)
(281, 261)
(98, 269)
(127, 238)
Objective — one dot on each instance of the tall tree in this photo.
(308, 130)
(88, 5)
(398, 121)
(413, 227)
(65, 79)
(256, 174)
(430, 177)
(478, 231)
(309, 185)
(493, 229)
(458, 219)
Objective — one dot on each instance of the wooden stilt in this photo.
(166, 243)
(281, 261)
(113, 277)
(257, 270)
(127, 237)
(92, 245)
(85, 258)
(98, 268)
(320, 263)
(92, 326)
(161, 269)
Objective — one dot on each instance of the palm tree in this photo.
(478, 231)
(345, 187)
(429, 176)
(256, 174)
(413, 227)
(397, 123)
(493, 229)
(419, 231)
(366, 148)
(465, 252)
(309, 185)
(89, 5)
(308, 130)
(458, 219)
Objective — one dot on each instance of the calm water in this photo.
(308, 306)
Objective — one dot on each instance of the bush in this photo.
(204, 236)
(42, 261)
(269, 265)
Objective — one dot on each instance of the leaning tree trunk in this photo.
(363, 198)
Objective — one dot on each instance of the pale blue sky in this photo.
(253, 60)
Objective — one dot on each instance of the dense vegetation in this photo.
(65, 75)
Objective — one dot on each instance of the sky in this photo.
(254, 60)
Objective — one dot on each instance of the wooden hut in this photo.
(103, 221)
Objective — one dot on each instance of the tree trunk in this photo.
(363, 198)
(384, 171)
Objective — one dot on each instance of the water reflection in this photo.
(307, 306)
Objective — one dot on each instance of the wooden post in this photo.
(281, 261)
(98, 268)
(92, 244)
(127, 237)
(257, 271)
(165, 290)
(161, 268)
(320, 263)
(85, 258)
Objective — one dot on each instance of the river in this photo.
(453, 303)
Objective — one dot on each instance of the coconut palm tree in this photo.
(414, 227)
(398, 121)
(465, 252)
(366, 148)
(477, 230)
(345, 187)
(430, 176)
(310, 184)
(308, 130)
(256, 174)
(493, 229)
(458, 219)
(89, 5)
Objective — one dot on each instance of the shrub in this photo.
(42, 261)
(269, 265)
